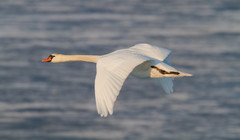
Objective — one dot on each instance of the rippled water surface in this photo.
(43, 101)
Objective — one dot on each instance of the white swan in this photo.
(141, 60)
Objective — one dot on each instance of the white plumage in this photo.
(141, 60)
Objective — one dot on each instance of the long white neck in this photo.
(68, 58)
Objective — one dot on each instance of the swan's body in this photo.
(141, 60)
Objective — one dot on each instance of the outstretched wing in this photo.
(112, 70)
(155, 52)
(166, 83)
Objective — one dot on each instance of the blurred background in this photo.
(43, 101)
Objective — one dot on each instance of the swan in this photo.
(141, 60)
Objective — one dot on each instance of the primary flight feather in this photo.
(141, 60)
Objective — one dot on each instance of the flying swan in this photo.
(141, 60)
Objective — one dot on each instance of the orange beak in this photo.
(47, 59)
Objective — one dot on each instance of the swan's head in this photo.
(53, 58)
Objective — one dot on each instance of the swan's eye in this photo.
(51, 56)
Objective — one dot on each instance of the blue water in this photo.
(43, 101)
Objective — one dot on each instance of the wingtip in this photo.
(169, 92)
(103, 115)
